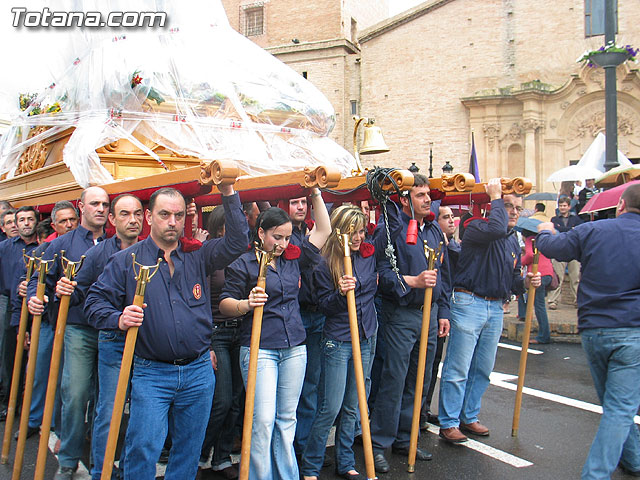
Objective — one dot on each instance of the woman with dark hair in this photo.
(283, 356)
(337, 392)
(225, 343)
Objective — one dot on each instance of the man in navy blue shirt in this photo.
(401, 318)
(80, 339)
(64, 219)
(487, 272)
(12, 267)
(609, 324)
(173, 383)
(313, 321)
(126, 215)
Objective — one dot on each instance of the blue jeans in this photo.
(337, 394)
(41, 378)
(278, 387)
(167, 398)
(540, 307)
(226, 409)
(476, 326)
(308, 403)
(110, 348)
(77, 389)
(614, 360)
(393, 410)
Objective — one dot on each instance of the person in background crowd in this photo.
(80, 339)
(225, 343)
(585, 195)
(8, 223)
(563, 222)
(283, 355)
(539, 214)
(64, 218)
(4, 206)
(125, 215)
(446, 220)
(401, 316)
(488, 271)
(172, 384)
(12, 268)
(44, 229)
(609, 323)
(540, 305)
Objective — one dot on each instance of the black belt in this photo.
(492, 299)
(180, 362)
(234, 323)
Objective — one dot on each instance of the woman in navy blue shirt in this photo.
(337, 393)
(283, 356)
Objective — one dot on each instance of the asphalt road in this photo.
(556, 427)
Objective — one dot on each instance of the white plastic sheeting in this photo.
(196, 87)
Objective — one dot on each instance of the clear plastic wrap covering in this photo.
(195, 87)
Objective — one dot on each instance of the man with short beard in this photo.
(488, 271)
(80, 340)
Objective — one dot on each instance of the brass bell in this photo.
(372, 141)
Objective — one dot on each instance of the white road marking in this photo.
(502, 380)
(519, 349)
(489, 451)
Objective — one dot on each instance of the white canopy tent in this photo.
(591, 165)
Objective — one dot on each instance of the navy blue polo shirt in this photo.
(13, 270)
(334, 305)
(95, 260)
(412, 261)
(75, 244)
(177, 321)
(489, 261)
(281, 322)
(609, 291)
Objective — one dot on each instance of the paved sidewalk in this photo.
(563, 322)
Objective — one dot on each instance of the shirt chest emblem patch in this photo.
(197, 291)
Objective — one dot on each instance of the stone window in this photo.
(594, 17)
(252, 19)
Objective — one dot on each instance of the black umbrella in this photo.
(541, 196)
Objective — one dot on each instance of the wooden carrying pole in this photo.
(264, 258)
(143, 277)
(31, 263)
(431, 255)
(70, 271)
(525, 344)
(43, 268)
(357, 362)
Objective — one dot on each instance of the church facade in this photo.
(502, 70)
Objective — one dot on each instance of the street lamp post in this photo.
(611, 107)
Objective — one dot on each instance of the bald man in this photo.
(80, 339)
